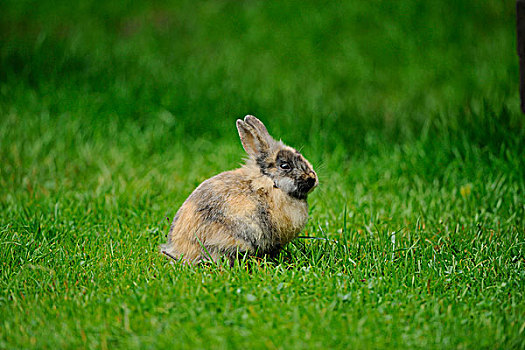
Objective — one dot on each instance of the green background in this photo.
(111, 113)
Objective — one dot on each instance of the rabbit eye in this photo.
(285, 166)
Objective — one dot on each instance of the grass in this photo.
(112, 114)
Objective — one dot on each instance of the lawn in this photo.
(112, 113)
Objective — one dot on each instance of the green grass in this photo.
(110, 115)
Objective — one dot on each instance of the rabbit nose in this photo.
(313, 176)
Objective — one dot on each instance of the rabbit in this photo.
(253, 210)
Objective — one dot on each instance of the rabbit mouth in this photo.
(304, 188)
(313, 187)
(309, 185)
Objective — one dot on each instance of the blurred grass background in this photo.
(112, 112)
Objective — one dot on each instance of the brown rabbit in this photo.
(256, 209)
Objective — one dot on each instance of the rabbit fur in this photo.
(255, 209)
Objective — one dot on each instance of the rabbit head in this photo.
(284, 165)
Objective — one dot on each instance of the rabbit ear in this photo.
(254, 137)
